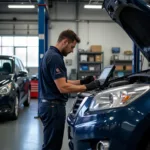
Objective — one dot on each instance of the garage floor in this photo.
(26, 132)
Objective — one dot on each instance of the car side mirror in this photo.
(22, 74)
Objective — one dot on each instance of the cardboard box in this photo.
(91, 58)
(96, 48)
(98, 58)
(129, 67)
(119, 67)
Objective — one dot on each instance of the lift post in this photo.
(43, 24)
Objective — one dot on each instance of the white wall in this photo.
(57, 28)
(106, 34)
(97, 32)
(94, 29)
(91, 32)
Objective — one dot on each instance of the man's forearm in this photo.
(75, 82)
(65, 87)
(71, 88)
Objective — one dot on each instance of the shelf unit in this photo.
(123, 64)
(90, 63)
(98, 65)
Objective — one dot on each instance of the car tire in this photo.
(27, 102)
(15, 113)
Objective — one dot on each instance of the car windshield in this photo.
(5, 66)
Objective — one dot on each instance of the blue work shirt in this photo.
(52, 67)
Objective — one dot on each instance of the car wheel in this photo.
(27, 102)
(16, 109)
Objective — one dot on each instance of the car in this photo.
(14, 86)
(116, 116)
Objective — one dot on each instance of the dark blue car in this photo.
(117, 115)
(14, 86)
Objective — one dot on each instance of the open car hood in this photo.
(134, 17)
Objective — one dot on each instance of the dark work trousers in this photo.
(53, 118)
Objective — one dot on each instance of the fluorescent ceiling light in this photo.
(93, 6)
(21, 6)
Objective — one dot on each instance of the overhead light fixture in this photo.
(93, 6)
(21, 6)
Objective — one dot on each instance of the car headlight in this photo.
(5, 89)
(118, 97)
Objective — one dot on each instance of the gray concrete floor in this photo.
(26, 132)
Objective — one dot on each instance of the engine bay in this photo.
(141, 77)
(108, 82)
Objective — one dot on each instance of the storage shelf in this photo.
(121, 62)
(123, 70)
(86, 62)
(89, 71)
(91, 53)
(96, 65)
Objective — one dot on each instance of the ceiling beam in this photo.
(56, 20)
(20, 13)
(74, 1)
(69, 1)
(17, 2)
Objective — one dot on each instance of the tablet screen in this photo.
(105, 73)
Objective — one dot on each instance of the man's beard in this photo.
(64, 53)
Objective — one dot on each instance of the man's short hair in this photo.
(70, 35)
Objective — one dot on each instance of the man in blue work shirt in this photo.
(54, 89)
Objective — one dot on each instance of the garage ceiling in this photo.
(49, 0)
(35, 1)
(4, 5)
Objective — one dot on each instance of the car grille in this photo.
(4, 109)
(76, 105)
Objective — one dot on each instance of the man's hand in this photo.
(87, 80)
(93, 85)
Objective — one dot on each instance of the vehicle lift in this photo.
(43, 26)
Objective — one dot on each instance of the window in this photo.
(7, 51)
(32, 57)
(17, 66)
(21, 53)
(24, 47)
(21, 65)
(20, 41)
(33, 41)
(7, 41)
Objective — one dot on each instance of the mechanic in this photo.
(54, 89)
